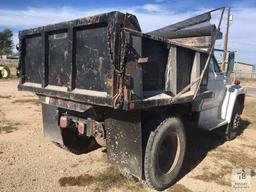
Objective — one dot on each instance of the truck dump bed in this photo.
(105, 60)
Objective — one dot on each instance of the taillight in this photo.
(81, 127)
(64, 122)
(131, 106)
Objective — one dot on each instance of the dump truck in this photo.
(103, 82)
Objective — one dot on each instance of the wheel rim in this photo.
(168, 153)
(4, 73)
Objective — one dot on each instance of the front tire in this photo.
(164, 153)
(233, 127)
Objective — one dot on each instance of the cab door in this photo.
(210, 110)
(216, 83)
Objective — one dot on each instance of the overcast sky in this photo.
(22, 14)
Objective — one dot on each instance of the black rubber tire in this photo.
(77, 145)
(155, 176)
(5, 73)
(233, 127)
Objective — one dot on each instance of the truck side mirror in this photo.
(231, 62)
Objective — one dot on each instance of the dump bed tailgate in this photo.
(73, 60)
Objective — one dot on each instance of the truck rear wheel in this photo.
(164, 153)
(76, 144)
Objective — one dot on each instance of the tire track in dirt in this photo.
(5, 126)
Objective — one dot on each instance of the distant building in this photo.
(243, 67)
(244, 70)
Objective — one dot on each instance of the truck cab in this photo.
(227, 96)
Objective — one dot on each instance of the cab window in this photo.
(214, 66)
(211, 66)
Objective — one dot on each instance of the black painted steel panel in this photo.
(33, 59)
(124, 140)
(93, 60)
(51, 128)
(185, 59)
(59, 66)
(154, 70)
(163, 32)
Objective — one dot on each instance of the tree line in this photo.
(6, 42)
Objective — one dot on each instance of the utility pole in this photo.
(226, 42)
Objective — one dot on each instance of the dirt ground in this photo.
(248, 82)
(29, 162)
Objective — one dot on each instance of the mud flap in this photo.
(51, 128)
(124, 141)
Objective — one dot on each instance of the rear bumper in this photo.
(78, 96)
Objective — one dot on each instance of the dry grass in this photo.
(13, 73)
(110, 178)
(5, 96)
(81, 180)
(250, 111)
(8, 128)
(216, 177)
(237, 159)
(32, 101)
(178, 188)
(248, 83)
